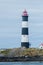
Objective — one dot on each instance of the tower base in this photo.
(25, 44)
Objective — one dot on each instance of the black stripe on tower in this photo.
(24, 31)
(25, 44)
(24, 18)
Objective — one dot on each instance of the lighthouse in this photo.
(25, 32)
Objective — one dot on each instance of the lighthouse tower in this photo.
(25, 35)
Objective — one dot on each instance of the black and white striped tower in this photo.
(25, 40)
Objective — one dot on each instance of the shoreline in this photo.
(20, 59)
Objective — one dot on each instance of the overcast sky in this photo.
(10, 22)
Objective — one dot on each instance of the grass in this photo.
(23, 52)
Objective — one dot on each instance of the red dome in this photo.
(25, 13)
(41, 44)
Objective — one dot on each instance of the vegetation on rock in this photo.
(22, 52)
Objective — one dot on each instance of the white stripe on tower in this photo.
(24, 24)
(24, 38)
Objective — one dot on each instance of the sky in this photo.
(11, 20)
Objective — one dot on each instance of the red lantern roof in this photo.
(25, 13)
(41, 44)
